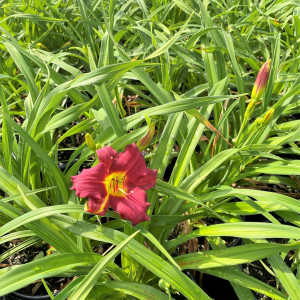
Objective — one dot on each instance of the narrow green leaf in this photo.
(234, 275)
(143, 255)
(88, 282)
(140, 291)
(169, 43)
(39, 214)
(19, 276)
(231, 256)
(43, 156)
(252, 230)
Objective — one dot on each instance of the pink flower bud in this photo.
(261, 81)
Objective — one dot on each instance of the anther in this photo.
(117, 184)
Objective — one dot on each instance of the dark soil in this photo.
(29, 254)
(24, 256)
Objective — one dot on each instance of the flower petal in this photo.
(97, 206)
(90, 182)
(145, 181)
(106, 155)
(131, 162)
(132, 207)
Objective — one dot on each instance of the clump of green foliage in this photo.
(111, 69)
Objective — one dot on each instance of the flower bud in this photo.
(261, 81)
(90, 142)
(267, 117)
(145, 140)
(164, 285)
(250, 109)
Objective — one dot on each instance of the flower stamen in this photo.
(115, 182)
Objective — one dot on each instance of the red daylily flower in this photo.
(119, 181)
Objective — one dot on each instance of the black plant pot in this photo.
(20, 296)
